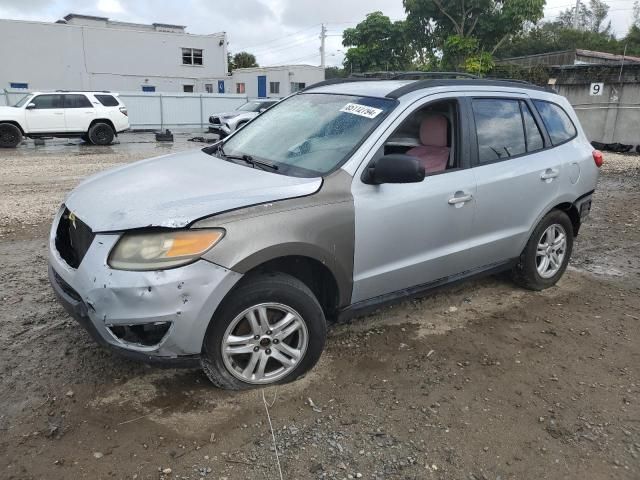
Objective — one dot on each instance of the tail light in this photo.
(124, 111)
(598, 158)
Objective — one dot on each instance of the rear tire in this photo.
(276, 351)
(10, 135)
(546, 256)
(101, 134)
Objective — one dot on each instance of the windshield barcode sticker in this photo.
(361, 110)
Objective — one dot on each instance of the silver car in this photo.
(226, 123)
(343, 197)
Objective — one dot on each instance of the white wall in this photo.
(51, 56)
(285, 75)
(155, 111)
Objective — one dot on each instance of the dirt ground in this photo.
(479, 381)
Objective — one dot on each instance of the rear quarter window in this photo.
(555, 119)
(108, 100)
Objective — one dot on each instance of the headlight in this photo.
(159, 251)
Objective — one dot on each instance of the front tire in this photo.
(270, 330)
(101, 134)
(546, 256)
(10, 135)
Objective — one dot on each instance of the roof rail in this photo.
(85, 91)
(335, 81)
(420, 84)
(431, 75)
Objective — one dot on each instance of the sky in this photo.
(277, 31)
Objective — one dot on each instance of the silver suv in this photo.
(343, 197)
(226, 123)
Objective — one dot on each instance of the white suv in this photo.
(96, 117)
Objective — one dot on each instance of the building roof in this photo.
(565, 56)
(606, 56)
(86, 17)
(77, 16)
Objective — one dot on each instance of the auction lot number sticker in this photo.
(361, 110)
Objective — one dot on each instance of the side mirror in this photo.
(394, 168)
(31, 106)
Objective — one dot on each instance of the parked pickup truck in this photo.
(96, 117)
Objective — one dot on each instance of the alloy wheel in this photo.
(552, 248)
(264, 343)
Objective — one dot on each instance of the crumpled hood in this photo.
(175, 190)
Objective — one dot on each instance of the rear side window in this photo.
(108, 100)
(76, 101)
(531, 129)
(500, 129)
(558, 123)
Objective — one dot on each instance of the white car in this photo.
(226, 123)
(96, 117)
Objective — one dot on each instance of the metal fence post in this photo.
(161, 114)
(201, 114)
(6, 96)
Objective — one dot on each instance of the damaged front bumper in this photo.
(158, 316)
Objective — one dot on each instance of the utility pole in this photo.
(323, 38)
(575, 16)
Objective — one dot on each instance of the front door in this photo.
(47, 114)
(411, 235)
(78, 112)
(262, 86)
(220, 86)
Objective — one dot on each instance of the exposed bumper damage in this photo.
(157, 316)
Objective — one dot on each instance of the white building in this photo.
(94, 53)
(261, 82)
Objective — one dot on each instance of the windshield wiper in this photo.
(247, 159)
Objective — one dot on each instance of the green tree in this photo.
(490, 22)
(590, 18)
(244, 60)
(334, 72)
(553, 37)
(377, 43)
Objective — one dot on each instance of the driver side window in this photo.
(45, 102)
(430, 134)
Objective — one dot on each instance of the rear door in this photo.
(46, 115)
(516, 176)
(78, 112)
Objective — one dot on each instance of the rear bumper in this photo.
(583, 205)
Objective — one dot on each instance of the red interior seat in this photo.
(434, 152)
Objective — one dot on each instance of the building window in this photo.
(148, 88)
(208, 87)
(240, 88)
(187, 88)
(297, 86)
(274, 87)
(191, 56)
(19, 85)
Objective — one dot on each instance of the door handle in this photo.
(549, 174)
(58, 113)
(460, 198)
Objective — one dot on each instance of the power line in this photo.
(286, 37)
